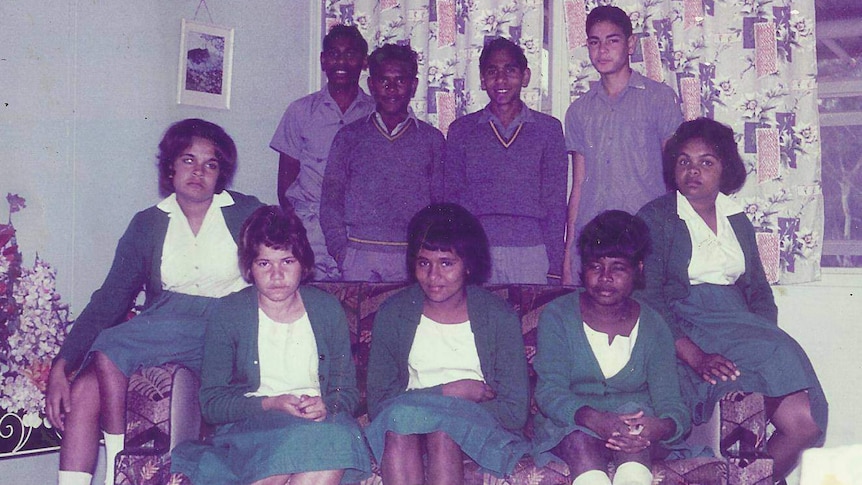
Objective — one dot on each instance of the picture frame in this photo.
(206, 65)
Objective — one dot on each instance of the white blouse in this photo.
(716, 257)
(288, 358)
(442, 353)
(614, 356)
(205, 264)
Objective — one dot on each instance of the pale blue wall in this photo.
(87, 89)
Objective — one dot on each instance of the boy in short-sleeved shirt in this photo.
(615, 131)
(382, 169)
(507, 165)
(306, 130)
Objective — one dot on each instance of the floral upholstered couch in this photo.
(162, 408)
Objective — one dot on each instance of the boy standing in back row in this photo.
(382, 169)
(507, 165)
(306, 130)
(615, 131)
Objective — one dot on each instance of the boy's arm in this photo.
(578, 174)
(553, 198)
(288, 142)
(332, 199)
(288, 171)
(669, 114)
(663, 382)
(453, 166)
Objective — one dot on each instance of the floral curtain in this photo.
(448, 35)
(750, 64)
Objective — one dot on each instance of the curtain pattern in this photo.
(448, 35)
(748, 63)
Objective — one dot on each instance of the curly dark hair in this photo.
(341, 31)
(180, 136)
(720, 137)
(502, 44)
(450, 227)
(277, 229)
(393, 52)
(615, 234)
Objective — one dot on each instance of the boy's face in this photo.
(342, 62)
(392, 87)
(609, 49)
(502, 78)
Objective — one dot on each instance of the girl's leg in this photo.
(583, 454)
(633, 468)
(323, 477)
(402, 459)
(445, 460)
(112, 390)
(795, 430)
(80, 446)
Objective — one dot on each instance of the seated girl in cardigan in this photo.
(607, 384)
(278, 378)
(447, 374)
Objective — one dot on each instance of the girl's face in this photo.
(698, 171)
(196, 172)
(610, 281)
(441, 274)
(277, 274)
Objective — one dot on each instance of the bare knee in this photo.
(439, 441)
(402, 443)
(84, 394)
(583, 452)
(792, 417)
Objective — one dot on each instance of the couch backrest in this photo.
(362, 300)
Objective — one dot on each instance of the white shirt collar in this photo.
(724, 206)
(170, 205)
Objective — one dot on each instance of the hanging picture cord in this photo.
(203, 3)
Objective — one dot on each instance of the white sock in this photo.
(592, 477)
(74, 478)
(114, 444)
(632, 473)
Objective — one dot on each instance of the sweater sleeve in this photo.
(438, 168)
(656, 270)
(454, 169)
(554, 363)
(223, 383)
(511, 380)
(332, 198)
(554, 170)
(109, 304)
(386, 368)
(663, 382)
(342, 395)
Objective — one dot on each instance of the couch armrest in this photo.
(162, 411)
(743, 425)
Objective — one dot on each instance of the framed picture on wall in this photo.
(206, 59)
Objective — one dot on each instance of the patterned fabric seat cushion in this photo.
(151, 464)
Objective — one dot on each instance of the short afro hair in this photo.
(503, 44)
(393, 53)
(341, 31)
(615, 234)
